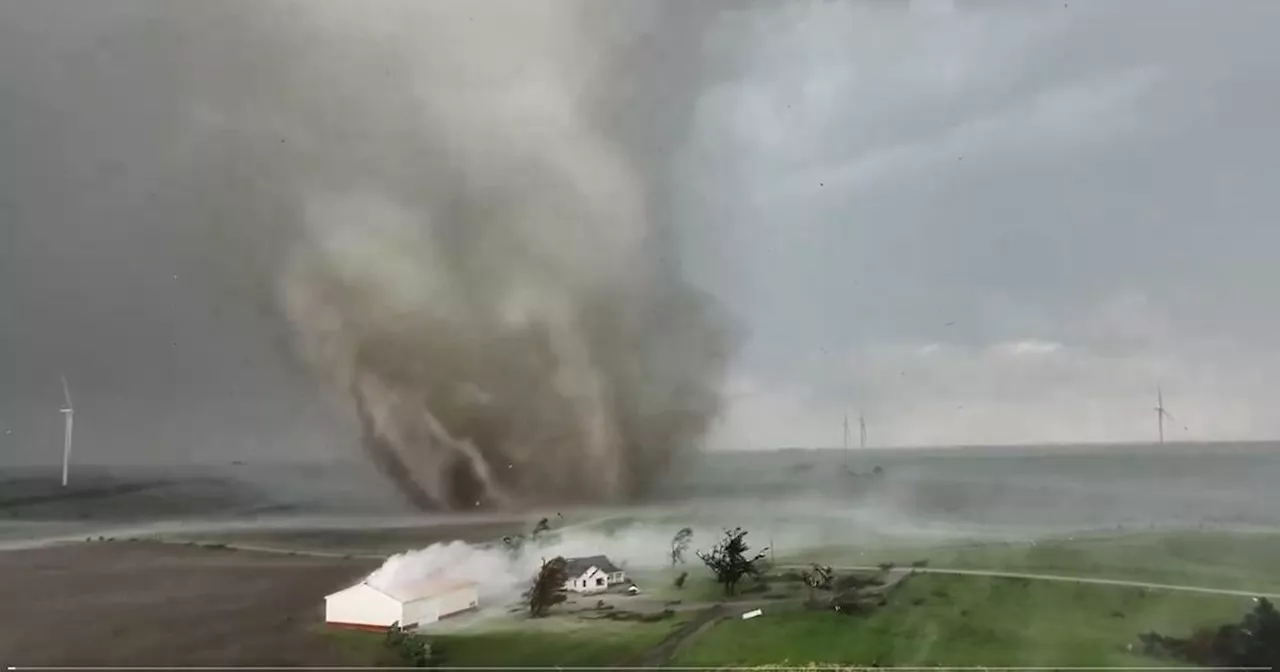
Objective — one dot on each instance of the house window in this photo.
(599, 582)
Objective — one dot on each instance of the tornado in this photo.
(484, 278)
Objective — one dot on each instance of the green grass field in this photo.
(1208, 559)
(969, 621)
(932, 619)
(701, 586)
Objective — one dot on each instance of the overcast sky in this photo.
(988, 222)
(1005, 222)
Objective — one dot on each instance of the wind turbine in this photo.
(1161, 414)
(862, 430)
(69, 414)
(845, 453)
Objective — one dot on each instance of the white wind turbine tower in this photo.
(69, 414)
(1161, 414)
(845, 452)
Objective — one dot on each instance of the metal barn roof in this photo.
(419, 590)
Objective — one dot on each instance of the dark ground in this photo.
(132, 493)
(141, 603)
(382, 540)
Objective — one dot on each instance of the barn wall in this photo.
(457, 600)
(361, 605)
(421, 612)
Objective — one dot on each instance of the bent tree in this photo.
(680, 544)
(548, 586)
(730, 561)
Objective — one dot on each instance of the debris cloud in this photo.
(483, 261)
(501, 575)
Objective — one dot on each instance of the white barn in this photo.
(592, 574)
(364, 606)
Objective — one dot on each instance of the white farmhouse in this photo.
(366, 607)
(592, 574)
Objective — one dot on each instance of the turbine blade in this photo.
(66, 391)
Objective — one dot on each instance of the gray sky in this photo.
(978, 222)
(1084, 189)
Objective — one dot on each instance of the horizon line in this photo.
(1043, 444)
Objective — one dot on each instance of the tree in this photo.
(729, 560)
(818, 577)
(1254, 642)
(1262, 629)
(548, 586)
(679, 583)
(825, 576)
(406, 649)
(514, 545)
(680, 544)
(542, 534)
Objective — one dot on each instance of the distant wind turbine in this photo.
(1161, 413)
(862, 430)
(69, 414)
(845, 453)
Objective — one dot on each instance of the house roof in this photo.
(422, 589)
(579, 566)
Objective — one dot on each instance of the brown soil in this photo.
(385, 541)
(140, 603)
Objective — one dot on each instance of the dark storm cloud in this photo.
(457, 210)
(1083, 190)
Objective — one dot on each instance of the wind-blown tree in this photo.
(824, 575)
(818, 577)
(548, 586)
(1262, 630)
(729, 560)
(680, 544)
(514, 545)
(406, 649)
(542, 534)
(1251, 643)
